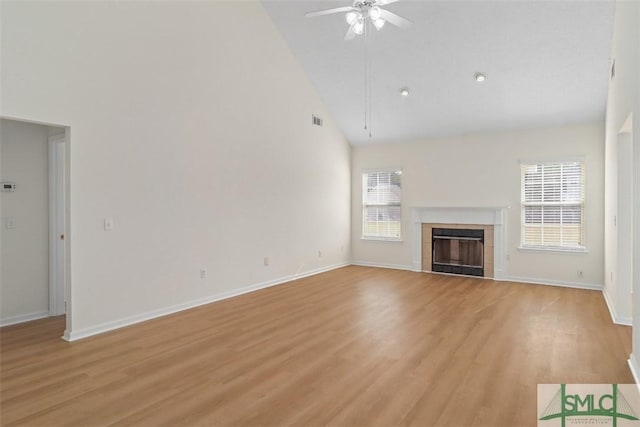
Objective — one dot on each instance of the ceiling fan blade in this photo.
(396, 20)
(386, 2)
(329, 11)
(350, 33)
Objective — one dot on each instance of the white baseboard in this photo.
(23, 318)
(116, 324)
(531, 280)
(633, 366)
(564, 284)
(441, 273)
(380, 265)
(618, 320)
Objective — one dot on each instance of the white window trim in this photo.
(557, 249)
(561, 249)
(379, 238)
(383, 239)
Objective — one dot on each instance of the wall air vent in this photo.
(316, 120)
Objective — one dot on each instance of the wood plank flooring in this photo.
(355, 346)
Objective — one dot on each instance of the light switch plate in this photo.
(108, 224)
(10, 222)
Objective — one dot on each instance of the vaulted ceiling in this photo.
(547, 64)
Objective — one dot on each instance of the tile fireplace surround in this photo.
(459, 216)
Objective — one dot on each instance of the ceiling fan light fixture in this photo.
(358, 27)
(480, 77)
(359, 15)
(351, 17)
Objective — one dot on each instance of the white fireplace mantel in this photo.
(490, 215)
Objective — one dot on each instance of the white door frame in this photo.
(57, 235)
(624, 213)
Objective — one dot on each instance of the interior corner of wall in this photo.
(634, 367)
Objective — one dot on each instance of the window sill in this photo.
(553, 249)
(382, 239)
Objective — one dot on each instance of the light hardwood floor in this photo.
(355, 346)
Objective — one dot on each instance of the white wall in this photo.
(623, 101)
(633, 25)
(484, 170)
(619, 128)
(24, 259)
(190, 127)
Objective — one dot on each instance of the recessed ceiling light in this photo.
(480, 77)
(404, 91)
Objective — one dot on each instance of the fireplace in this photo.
(457, 251)
(489, 219)
(466, 249)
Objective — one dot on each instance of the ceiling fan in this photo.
(362, 11)
(361, 17)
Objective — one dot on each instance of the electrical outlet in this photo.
(580, 273)
(10, 223)
(203, 273)
(266, 261)
(319, 254)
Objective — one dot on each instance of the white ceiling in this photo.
(547, 64)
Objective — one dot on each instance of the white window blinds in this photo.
(552, 199)
(381, 200)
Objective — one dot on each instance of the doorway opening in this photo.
(624, 214)
(35, 221)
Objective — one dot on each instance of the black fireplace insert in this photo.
(457, 251)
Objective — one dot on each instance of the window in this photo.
(553, 205)
(381, 195)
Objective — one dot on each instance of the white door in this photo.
(57, 225)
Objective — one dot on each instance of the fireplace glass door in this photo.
(458, 251)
